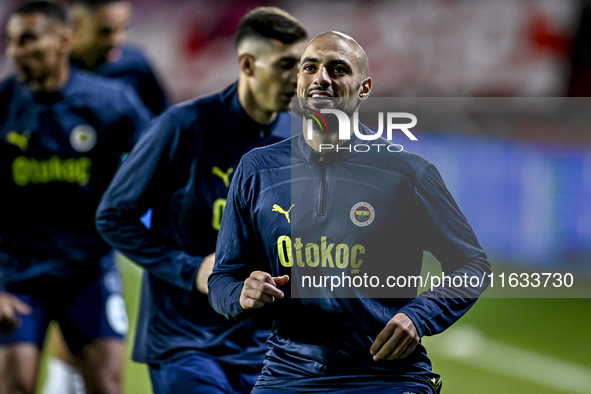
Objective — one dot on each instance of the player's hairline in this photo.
(247, 43)
(94, 5)
(64, 21)
(255, 27)
(361, 54)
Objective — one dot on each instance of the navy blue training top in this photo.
(291, 209)
(134, 69)
(182, 168)
(58, 153)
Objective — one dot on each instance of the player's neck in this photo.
(87, 60)
(53, 82)
(250, 106)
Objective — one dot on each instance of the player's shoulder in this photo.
(203, 113)
(404, 160)
(386, 155)
(132, 54)
(8, 84)
(9, 95)
(85, 85)
(8, 89)
(269, 157)
(109, 99)
(411, 165)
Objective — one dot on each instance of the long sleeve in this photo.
(144, 181)
(233, 254)
(452, 241)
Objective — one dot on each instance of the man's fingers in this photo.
(397, 340)
(262, 277)
(260, 288)
(8, 325)
(252, 298)
(22, 308)
(258, 295)
(281, 280)
(9, 320)
(399, 345)
(404, 347)
(263, 287)
(385, 343)
(381, 339)
(409, 349)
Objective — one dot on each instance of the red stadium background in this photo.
(416, 48)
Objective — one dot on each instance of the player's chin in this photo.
(23, 76)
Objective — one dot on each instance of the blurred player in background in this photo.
(387, 207)
(62, 135)
(182, 168)
(100, 45)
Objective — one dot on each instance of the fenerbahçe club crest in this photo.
(83, 138)
(362, 214)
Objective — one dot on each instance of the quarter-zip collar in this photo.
(304, 151)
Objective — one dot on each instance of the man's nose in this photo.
(322, 77)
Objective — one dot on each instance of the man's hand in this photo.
(204, 271)
(397, 340)
(10, 308)
(260, 288)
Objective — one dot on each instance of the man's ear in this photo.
(66, 40)
(246, 64)
(365, 89)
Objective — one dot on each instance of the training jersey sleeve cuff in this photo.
(416, 321)
(420, 311)
(188, 270)
(224, 297)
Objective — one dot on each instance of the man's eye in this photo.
(105, 32)
(340, 70)
(26, 39)
(308, 67)
(287, 65)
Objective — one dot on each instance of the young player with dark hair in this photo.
(62, 135)
(291, 202)
(182, 168)
(100, 46)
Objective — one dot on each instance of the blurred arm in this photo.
(144, 181)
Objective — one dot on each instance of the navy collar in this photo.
(50, 98)
(300, 148)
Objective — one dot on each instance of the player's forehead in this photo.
(113, 14)
(330, 48)
(273, 49)
(34, 24)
